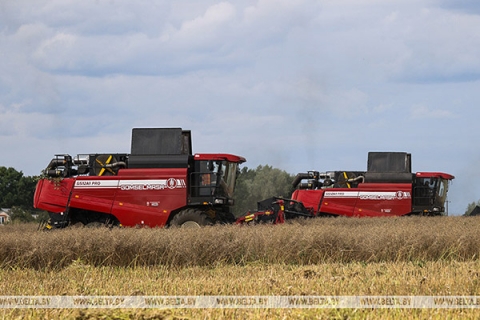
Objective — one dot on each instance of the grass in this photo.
(388, 256)
(405, 278)
(339, 240)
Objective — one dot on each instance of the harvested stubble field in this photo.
(381, 256)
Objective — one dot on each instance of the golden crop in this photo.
(377, 256)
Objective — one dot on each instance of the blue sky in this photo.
(296, 84)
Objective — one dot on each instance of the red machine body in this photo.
(141, 197)
(140, 189)
(368, 200)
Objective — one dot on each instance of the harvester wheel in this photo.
(191, 218)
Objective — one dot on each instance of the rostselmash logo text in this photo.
(142, 186)
(170, 183)
(399, 195)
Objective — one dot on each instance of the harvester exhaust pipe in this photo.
(300, 177)
(58, 166)
(313, 180)
(57, 162)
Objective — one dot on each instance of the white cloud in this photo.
(382, 108)
(224, 32)
(421, 112)
(15, 123)
(441, 47)
(214, 17)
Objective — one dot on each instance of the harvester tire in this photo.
(191, 218)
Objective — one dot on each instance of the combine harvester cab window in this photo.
(216, 177)
(227, 172)
(430, 192)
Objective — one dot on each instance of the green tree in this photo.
(18, 214)
(41, 215)
(264, 182)
(16, 189)
(470, 207)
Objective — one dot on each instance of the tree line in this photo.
(470, 207)
(264, 182)
(253, 185)
(16, 194)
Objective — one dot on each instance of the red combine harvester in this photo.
(159, 183)
(387, 188)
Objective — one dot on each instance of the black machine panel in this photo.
(161, 141)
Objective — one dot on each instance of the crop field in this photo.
(410, 256)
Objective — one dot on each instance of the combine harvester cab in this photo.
(159, 183)
(387, 188)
